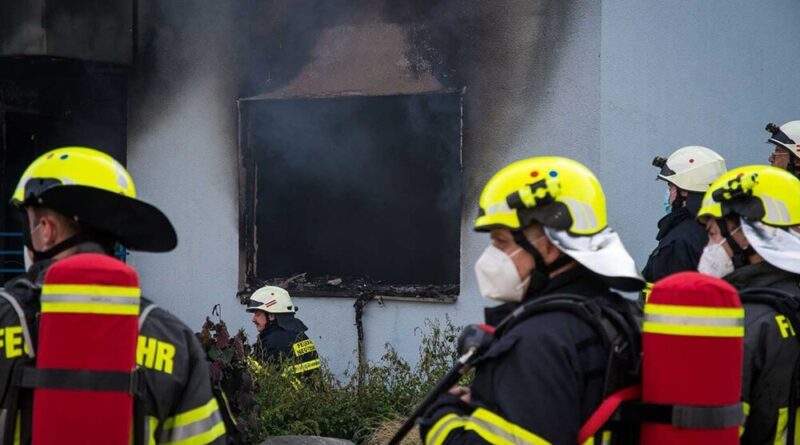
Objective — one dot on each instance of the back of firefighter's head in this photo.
(267, 304)
(689, 171)
(752, 214)
(786, 142)
(74, 195)
(517, 205)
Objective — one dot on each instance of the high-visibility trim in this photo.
(693, 311)
(605, 441)
(781, 431)
(442, 428)
(194, 427)
(746, 409)
(488, 425)
(91, 308)
(693, 321)
(693, 331)
(90, 299)
(151, 425)
(306, 366)
(497, 430)
(303, 347)
(91, 289)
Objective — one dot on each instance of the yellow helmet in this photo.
(98, 192)
(557, 192)
(757, 193)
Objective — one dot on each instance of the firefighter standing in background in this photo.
(751, 214)
(281, 336)
(688, 172)
(79, 200)
(786, 140)
(541, 380)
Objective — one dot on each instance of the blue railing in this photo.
(5, 255)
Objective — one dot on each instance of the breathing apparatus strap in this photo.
(540, 274)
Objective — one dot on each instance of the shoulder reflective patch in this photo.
(12, 342)
(155, 354)
(303, 347)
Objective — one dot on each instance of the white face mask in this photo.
(497, 276)
(27, 255)
(715, 260)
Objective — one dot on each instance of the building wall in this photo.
(611, 84)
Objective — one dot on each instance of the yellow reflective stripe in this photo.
(605, 441)
(193, 415)
(152, 423)
(693, 320)
(91, 289)
(306, 366)
(91, 308)
(442, 428)
(746, 409)
(693, 311)
(693, 330)
(499, 431)
(780, 430)
(197, 426)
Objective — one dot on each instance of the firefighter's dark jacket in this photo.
(178, 404)
(680, 243)
(286, 341)
(770, 353)
(537, 384)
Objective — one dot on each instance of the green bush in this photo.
(326, 405)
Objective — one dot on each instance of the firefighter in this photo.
(79, 200)
(688, 172)
(281, 336)
(751, 215)
(786, 140)
(540, 381)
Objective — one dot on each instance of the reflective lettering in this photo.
(155, 354)
(784, 326)
(13, 341)
(146, 351)
(166, 353)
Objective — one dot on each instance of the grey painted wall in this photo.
(611, 84)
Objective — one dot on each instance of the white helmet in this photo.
(691, 168)
(787, 136)
(272, 299)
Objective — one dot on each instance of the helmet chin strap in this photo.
(41, 255)
(540, 274)
(740, 256)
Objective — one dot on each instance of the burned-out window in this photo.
(347, 196)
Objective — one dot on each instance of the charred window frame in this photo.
(352, 196)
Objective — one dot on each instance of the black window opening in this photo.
(352, 196)
(46, 103)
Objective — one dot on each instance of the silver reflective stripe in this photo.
(495, 430)
(26, 333)
(693, 321)
(95, 299)
(144, 314)
(193, 429)
(3, 415)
